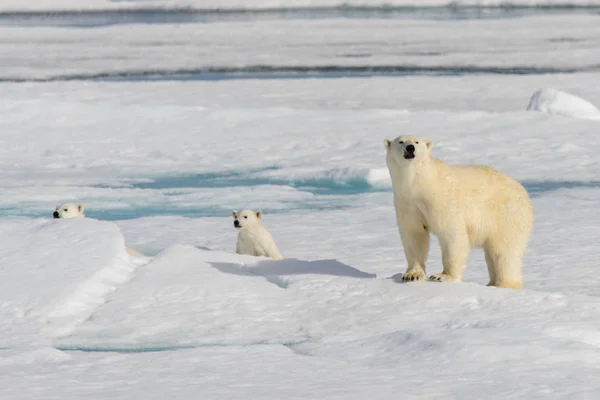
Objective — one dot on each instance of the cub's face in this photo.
(406, 150)
(246, 218)
(68, 210)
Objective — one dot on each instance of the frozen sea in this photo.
(163, 116)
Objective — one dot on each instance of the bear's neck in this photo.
(416, 181)
(252, 228)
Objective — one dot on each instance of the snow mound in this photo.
(552, 101)
(42, 355)
(332, 180)
(54, 273)
(232, 299)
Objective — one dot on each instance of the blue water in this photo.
(242, 179)
(263, 72)
(539, 188)
(90, 349)
(330, 194)
(93, 19)
(327, 194)
(320, 186)
(205, 211)
(200, 211)
(161, 348)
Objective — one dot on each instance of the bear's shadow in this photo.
(292, 266)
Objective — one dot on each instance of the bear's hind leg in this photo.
(508, 269)
(489, 260)
(507, 247)
(416, 247)
(455, 251)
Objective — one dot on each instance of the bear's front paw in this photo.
(417, 275)
(443, 278)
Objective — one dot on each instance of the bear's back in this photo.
(482, 178)
(490, 197)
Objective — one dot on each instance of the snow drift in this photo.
(552, 101)
(54, 273)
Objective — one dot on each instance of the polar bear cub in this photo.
(70, 210)
(465, 206)
(253, 239)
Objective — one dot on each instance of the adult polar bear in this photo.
(465, 206)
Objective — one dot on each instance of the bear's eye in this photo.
(401, 141)
(66, 209)
(245, 216)
(416, 142)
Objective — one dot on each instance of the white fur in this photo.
(69, 210)
(253, 239)
(465, 206)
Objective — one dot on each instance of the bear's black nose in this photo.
(55, 214)
(236, 223)
(410, 148)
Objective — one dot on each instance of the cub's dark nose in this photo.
(55, 214)
(410, 148)
(236, 223)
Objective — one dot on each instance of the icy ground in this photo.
(68, 5)
(528, 45)
(159, 162)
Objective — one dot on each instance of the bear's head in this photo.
(407, 150)
(246, 218)
(68, 210)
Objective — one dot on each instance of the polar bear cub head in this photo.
(246, 218)
(68, 210)
(407, 150)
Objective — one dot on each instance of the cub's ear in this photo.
(234, 213)
(259, 214)
(80, 207)
(429, 144)
(387, 143)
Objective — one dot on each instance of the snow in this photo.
(552, 101)
(544, 44)
(194, 319)
(44, 5)
(151, 172)
(67, 289)
(159, 163)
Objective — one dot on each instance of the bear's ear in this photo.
(80, 208)
(429, 144)
(234, 213)
(387, 143)
(259, 214)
